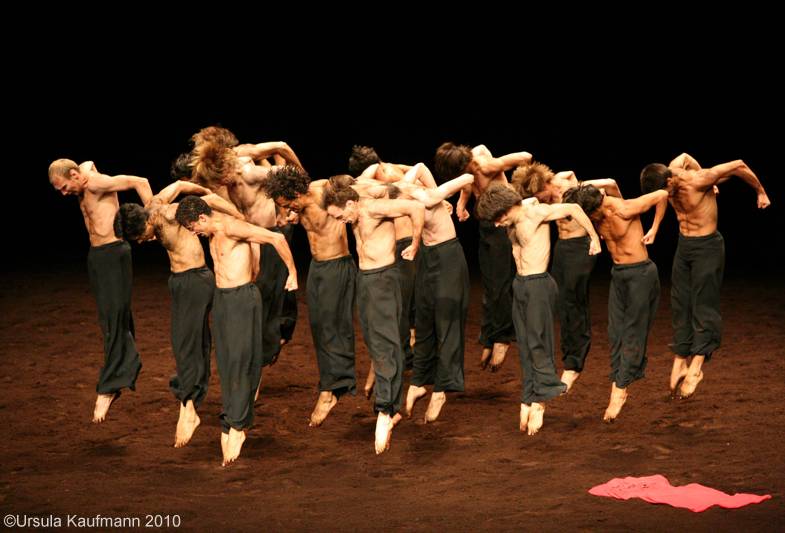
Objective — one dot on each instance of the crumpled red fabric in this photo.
(657, 489)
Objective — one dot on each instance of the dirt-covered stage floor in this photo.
(472, 470)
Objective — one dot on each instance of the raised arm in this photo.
(662, 206)
(720, 173)
(223, 206)
(685, 161)
(369, 173)
(239, 230)
(370, 189)
(432, 197)
(268, 149)
(421, 173)
(494, 165)
(558, 211)
(634, 207)
(101, 183)
(173, 190)
(608, 185)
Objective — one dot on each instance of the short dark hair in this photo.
(450, 160)
(189, 209)
(362, 157)
(134, 221)
(339, 191)
(287, 181)
(654, 177)
(588, 197)
(181, 168)
(496, 201)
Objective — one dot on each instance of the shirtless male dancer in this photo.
(535, 291)
(237, 308)
(635, 285)
(191, 285)
(699, 260)
(442, 294)
(494, 252)
(364, 163)
(572, 265)
(330, 285)
(229, 169)
(378, 289)
(110, 270)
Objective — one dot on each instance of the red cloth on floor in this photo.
(657, 489)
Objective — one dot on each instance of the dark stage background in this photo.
(597, 125)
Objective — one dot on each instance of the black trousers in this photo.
(534, 306)
(330, 292)
(110, 272)
(497, 269)
(271, 283)
(632, 304)
(695, 294)
(572, 267)
(379, 304)
(237, 323)
(442, 297)
(192, 298)
(408, 272)
(289, 310)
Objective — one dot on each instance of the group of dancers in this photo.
(411, 282)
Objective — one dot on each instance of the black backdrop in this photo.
(595, 118)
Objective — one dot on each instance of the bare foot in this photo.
(499, 353)
(618, 397)
(395, 419)
(384, 427)
(525, 409)
(234, 443)
(186, 425)
(412, 333)
(224, 440)
(485, 358)
(324, 404)
(569, 377)
(102, 404)
(689, 385)
(412, 395)
(536, 414)
(369, 382)
(678, 373)
(438, 399)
